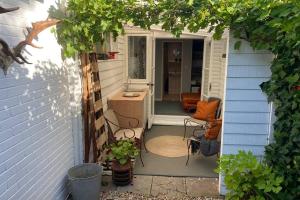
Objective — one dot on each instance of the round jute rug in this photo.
(168, 146)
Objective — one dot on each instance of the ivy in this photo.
(269, 25)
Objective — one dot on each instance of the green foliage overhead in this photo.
(123, 151)
(87, 21)
(246, 178)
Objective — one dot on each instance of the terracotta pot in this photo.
(112, 54)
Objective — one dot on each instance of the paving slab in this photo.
(172, 187)
(202, 187)
(107, 184)
(140, 185)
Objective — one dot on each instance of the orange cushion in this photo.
(206, 110)
(213, 129)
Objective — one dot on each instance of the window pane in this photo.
(137, 57)
(105, 46)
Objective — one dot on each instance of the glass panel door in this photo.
(137, 61)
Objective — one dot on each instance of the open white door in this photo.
(217, 68)
(214, 64)
(206, 69)
(151, 99)
(139, 67)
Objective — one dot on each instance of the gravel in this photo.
(114, 195)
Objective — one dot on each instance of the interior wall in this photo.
(158, 69)
(185, 69)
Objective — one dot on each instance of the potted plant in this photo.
(121, 153)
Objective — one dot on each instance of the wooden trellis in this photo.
(94, 124)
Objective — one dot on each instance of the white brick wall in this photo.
(37, 112)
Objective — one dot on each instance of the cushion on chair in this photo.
(111, 116)
(129, 133)
(206, 110)
(214, 129)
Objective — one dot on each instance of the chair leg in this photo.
(141, 153)
(188, 158)
(143, 139)
(185, 122)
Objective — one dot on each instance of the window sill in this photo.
(109, 60)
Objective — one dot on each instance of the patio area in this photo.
(168, 158)
(161, 188)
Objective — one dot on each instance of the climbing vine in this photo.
(269, 25)
(272, 25)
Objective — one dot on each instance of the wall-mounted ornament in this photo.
(5, 10)
(9, 55)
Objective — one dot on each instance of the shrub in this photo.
(247, 178)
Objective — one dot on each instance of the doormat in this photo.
(168, 146)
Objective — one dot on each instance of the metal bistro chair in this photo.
(200, 124)
(116, 132)
(207, 145)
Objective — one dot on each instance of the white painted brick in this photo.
(36, 141)
(12, 92)
(3, 188)
(4, 114)
(7, 103)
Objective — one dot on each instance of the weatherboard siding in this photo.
(112, 72)
(246, 111)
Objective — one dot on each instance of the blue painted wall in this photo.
(246, 112)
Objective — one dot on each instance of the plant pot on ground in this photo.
(121, 153)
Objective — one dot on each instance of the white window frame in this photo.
(148, 57)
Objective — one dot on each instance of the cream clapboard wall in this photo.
(112, 72)
(36, 115)
(247, 117)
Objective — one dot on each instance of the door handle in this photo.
(150, 84)
(210, 87)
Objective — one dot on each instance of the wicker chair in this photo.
(116, 132)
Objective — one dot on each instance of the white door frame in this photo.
(159, 119)
(207, 41)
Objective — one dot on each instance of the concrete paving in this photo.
(171, 187)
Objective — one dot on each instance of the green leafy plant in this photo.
(123, 151)
(85, 23)
(246, 178)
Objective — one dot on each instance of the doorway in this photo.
(172, 59)
(178, 70)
